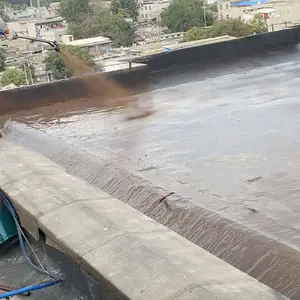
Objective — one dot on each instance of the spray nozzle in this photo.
(53, 44)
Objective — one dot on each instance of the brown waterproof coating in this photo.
(108, 88)
(227, 139)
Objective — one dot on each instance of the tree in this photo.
(18, 2)
(47, 2)
(258, 24)
(195, 33)
(125, 7)
(82, 53)
(74, 10)
(15, 76)
(213, 7)
(232, 27)
(2, 61)
(55, 62)
(19, 7)
(182, 15)
(4, 16)
(103, 23)
(29, 71)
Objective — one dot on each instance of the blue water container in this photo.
(8, 228)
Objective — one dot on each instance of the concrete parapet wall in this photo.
(45, 94)
(132, 255)
(223, 49)
(270, 261)
(60, 91)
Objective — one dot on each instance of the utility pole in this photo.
(25, 71)
(204, 12)
(39, 8)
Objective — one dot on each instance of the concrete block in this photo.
(30, 203)
(238, 290)
(132, 255)
(96, 222)
(159, 266)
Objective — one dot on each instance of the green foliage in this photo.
(4, 16)
(103, 23)
(47, 2)
(213, 7)
(19, 7)
(128, 8)
(125, 13)
(55, 63)
(2, 61)
(182, 15)
(15, 76)
(195, 33)
(29, 71)
(85, 22)
(258, 24)
(232, 27)
(74, 10)
(82, 53)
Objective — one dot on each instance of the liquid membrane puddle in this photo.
(216, 162)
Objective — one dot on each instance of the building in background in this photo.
(101, 4)
(96, 45)
(51, 29)
(277, 13)
(30, 13)
(150, 10)
(53, 8)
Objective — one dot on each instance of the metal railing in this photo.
(282, 25)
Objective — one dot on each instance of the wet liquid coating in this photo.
(227, 140)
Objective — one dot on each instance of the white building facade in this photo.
(97, 46)
(151, 10)
(50, 29)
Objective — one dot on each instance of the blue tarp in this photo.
(250, 3)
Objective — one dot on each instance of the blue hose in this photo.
(21, 239)
(30, 288)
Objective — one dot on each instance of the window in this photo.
(149, 7)
(227, 17)
(227, 6)
(143, 16)
(220, 6)
(146, 16)
(221, 17)
(145, 7)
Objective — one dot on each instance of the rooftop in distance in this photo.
(89, 42)
(250, 2)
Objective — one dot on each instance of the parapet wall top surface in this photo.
(135, 257)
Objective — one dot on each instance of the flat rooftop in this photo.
(90, 41)
(224, 137)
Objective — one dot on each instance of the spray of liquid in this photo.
(111, 94)
(98, 83)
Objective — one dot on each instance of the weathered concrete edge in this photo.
(239, 47)
(30, 97)
(133, 255)
(207, 229)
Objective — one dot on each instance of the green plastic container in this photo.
(8, 228)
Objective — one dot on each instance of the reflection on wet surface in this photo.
(229, 141)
